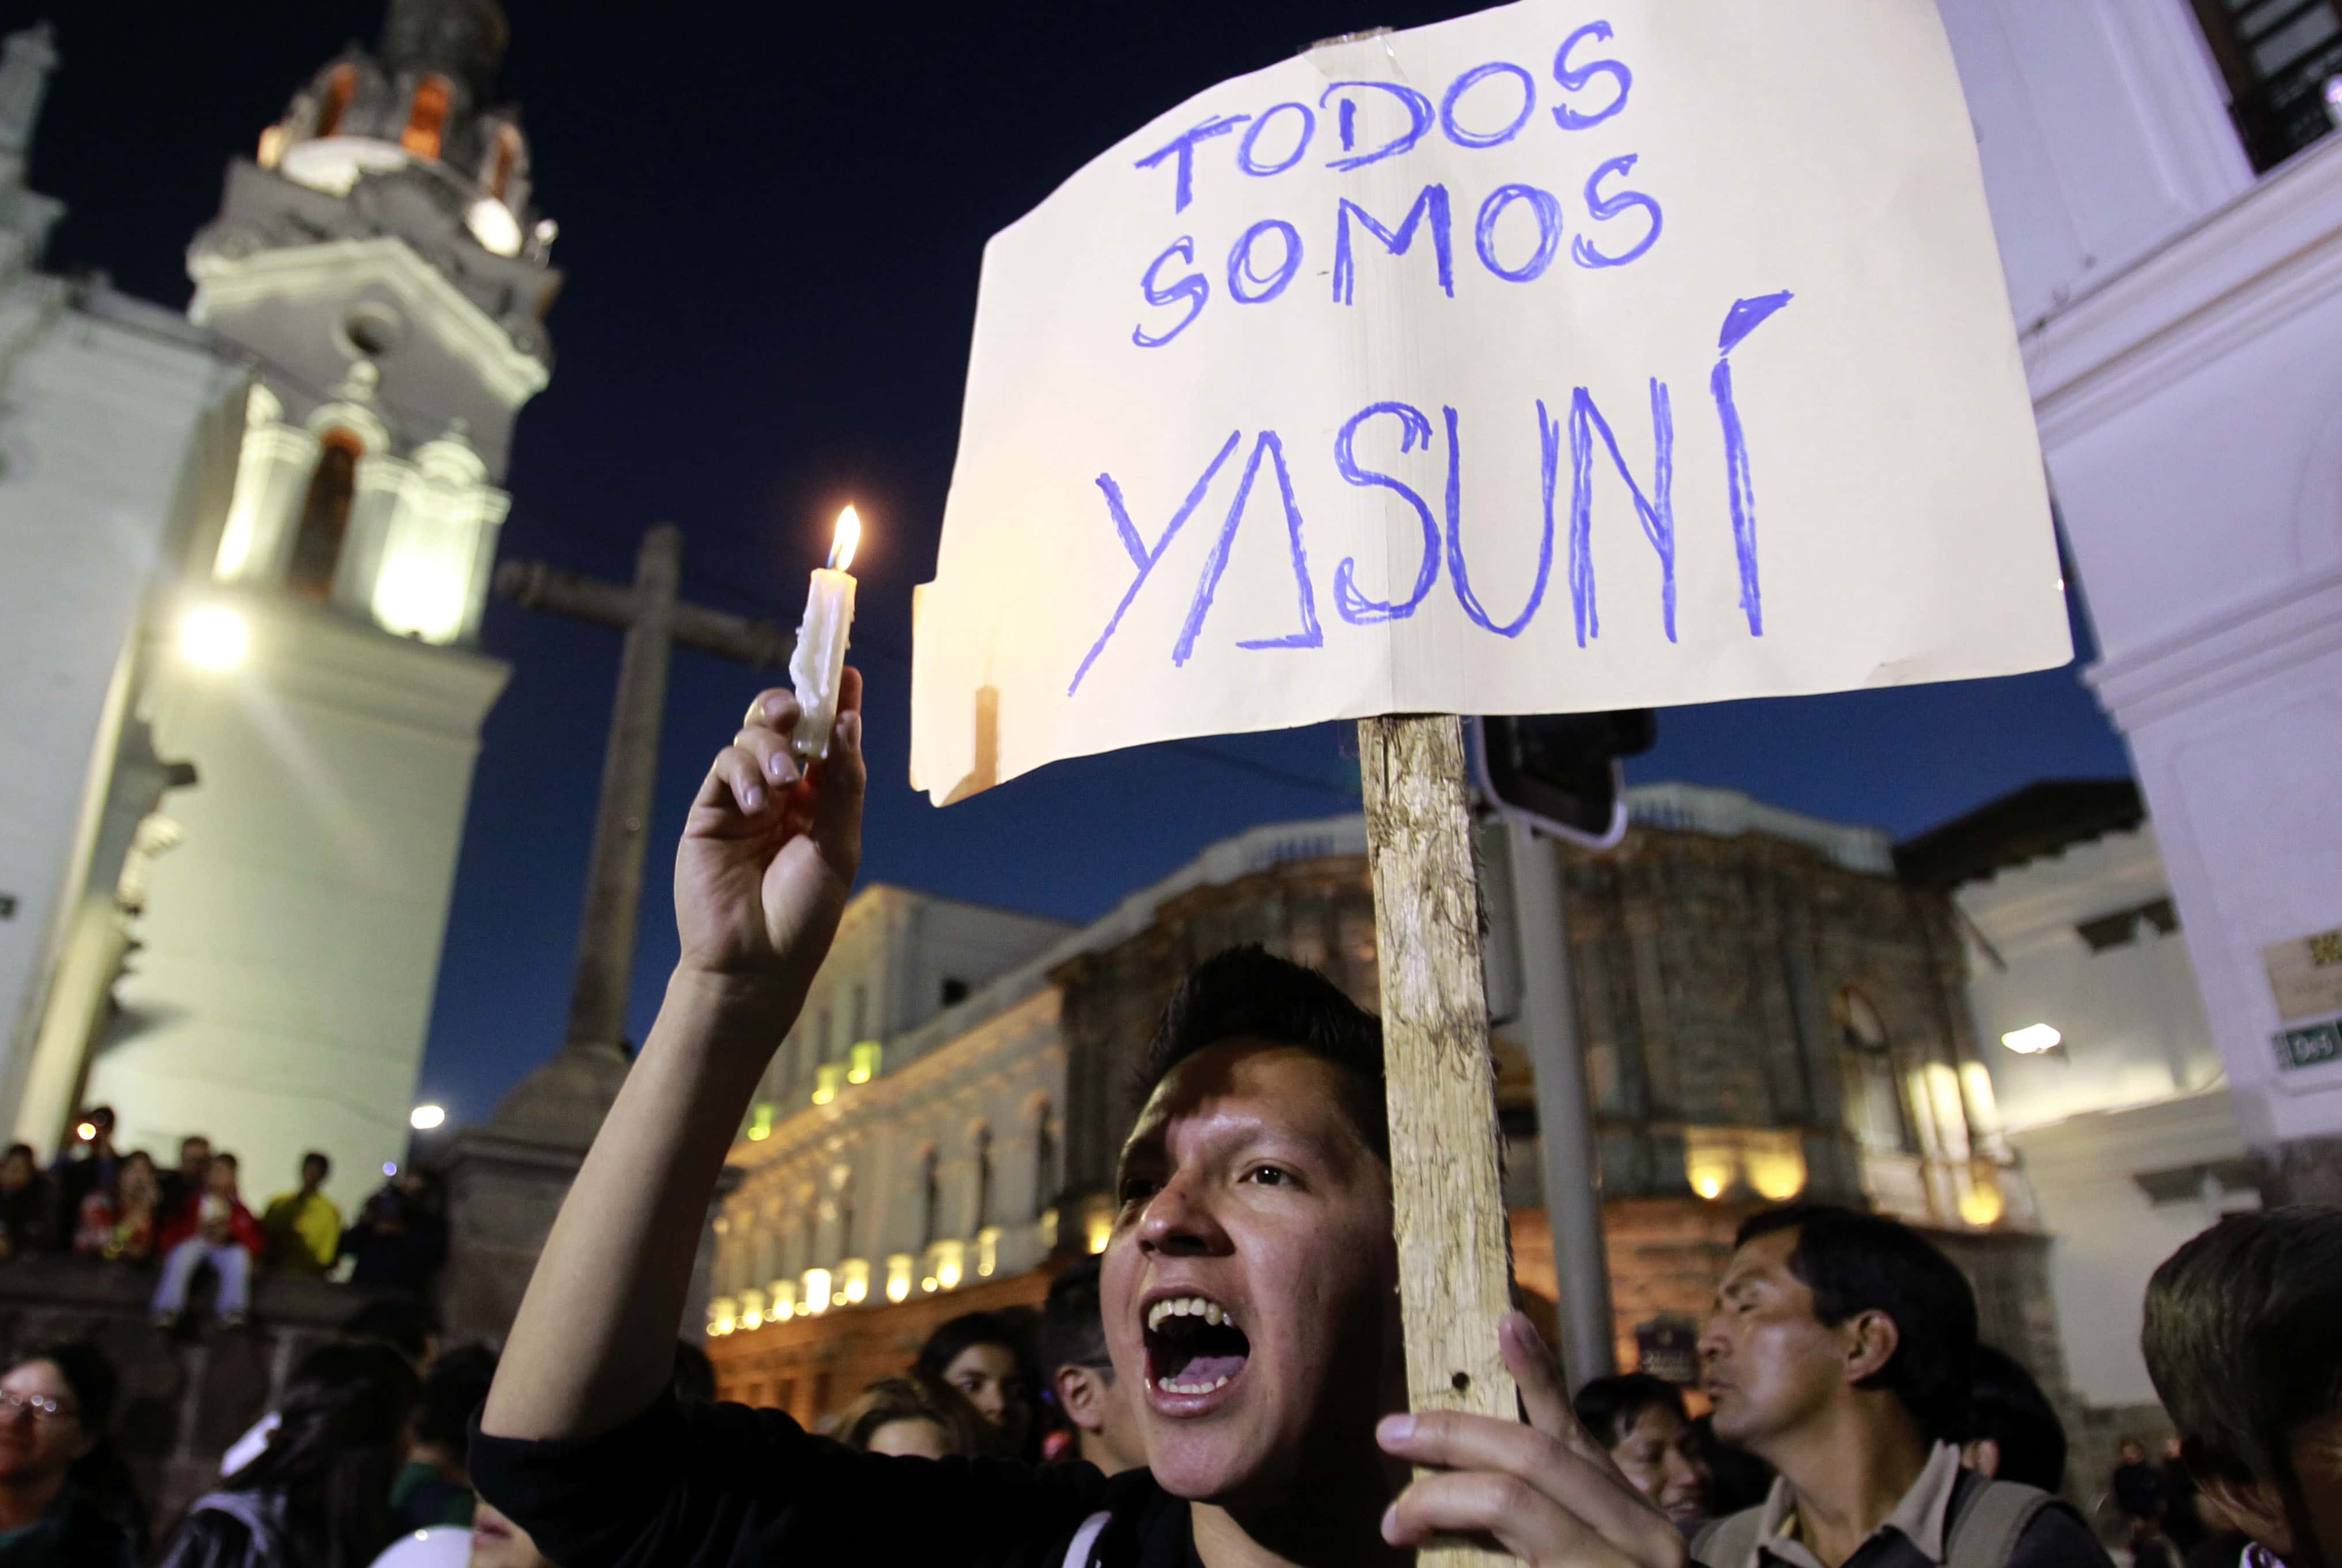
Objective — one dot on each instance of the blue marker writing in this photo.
(1431, 205)
(1310, 636)
(1183, 149)
(1414, 431)
(1745, 317)
(1140, 555)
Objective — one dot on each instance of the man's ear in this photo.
(1080, 1396)
(1983, 1456)
(2256, 1509)
(1870, 1338)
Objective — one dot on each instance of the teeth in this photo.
(1217, 1383)
(1211, 1312)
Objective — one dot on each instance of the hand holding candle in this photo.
(818, 663)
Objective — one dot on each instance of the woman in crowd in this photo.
(908, 1416)
(983, 1358)
(1641, 1421)
(319, 1494)
(64, 1499)
(28, 1203)
(117, 1221)
(2241, 1340)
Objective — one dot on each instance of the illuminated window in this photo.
(325, 516)
(825, 1081)
(864, 1062)
(1872, 1100)
(340, 88)
(425, 118)
(760, 1123)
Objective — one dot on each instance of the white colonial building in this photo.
(374, 286)
(2108, 1081)
(2168, 200)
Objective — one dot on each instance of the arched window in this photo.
(1046, 1176)
(983, 1178)
(807, 1234)
(845, 1218)
(506, 158)
(425, 118)
(325, 516)
(1873, 1099)
(930, 1197)
(340, 88)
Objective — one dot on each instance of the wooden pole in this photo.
(1455, 1260)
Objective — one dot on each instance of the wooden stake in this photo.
(1454, 1252)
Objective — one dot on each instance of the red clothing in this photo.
(106, 1232)
(241, 1229)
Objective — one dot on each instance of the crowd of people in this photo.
(1222, 1386)
(1230, 1377)
(190, 1220)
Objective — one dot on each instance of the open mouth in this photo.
(1193, 1345)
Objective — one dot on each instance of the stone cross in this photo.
(655, 621)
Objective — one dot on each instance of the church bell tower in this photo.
(380, 266)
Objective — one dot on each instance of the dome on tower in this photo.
(420, 110)
(463, 40)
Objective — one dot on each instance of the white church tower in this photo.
(381, 268)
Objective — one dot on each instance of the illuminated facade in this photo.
(1769, 1011)
(378, 273)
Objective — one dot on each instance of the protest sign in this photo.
(1574, 354)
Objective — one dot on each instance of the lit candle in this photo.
(818, 663)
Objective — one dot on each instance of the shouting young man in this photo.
(1249, 1290)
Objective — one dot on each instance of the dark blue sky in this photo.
(771, 219)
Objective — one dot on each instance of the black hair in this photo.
(1248, 993)
(893, 1399)
(456, 1386)
(407, 1325)
(101, 1114)
(24, 1149)
(312, 1156)
(2240, 1342)
(1855, 1262)
(1073, 1329)
(223, 1157)
(1608, 1407)
(338, 1447)
(694, 1374)
(88, 1374)
(2010, 1408)
(943, 1346)
(99, 1476)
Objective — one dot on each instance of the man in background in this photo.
(304, 1229)
(1079, 1374)
(188, 1181)
(1842, 1351)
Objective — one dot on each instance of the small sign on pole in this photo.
(1557, 358)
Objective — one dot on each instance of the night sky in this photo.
(771, 222)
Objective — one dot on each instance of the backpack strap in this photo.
(1077, 1555)
(1997, 1513)
(1731, 1542)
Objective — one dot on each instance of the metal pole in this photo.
(1570, 1162)
(613, 883)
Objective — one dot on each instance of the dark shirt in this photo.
(694, 1486)
(2138, 1489)
(75, 1534)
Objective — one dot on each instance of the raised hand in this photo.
(769, 851)
(1546, 1492)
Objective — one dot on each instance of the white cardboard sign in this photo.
(1574, 355)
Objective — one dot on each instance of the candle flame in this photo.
(843, 545)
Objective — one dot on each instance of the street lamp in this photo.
(214, 637)
(424, 1118)
(2032, 1040)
